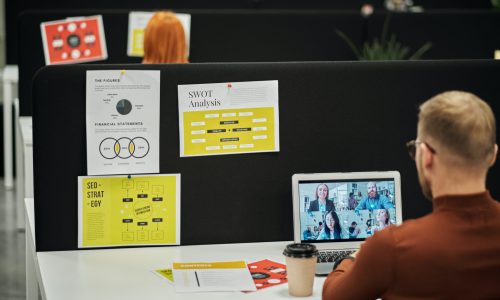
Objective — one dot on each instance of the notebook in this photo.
(338, 211)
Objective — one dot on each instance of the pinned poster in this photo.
(74, 40)
(123, 122)
(128, 211)
(137, 22)
(228, 118)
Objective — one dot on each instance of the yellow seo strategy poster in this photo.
(128, 211)
(228, 118)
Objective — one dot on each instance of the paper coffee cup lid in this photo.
(300, 250)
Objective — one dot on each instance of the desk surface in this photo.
(127, 273)
(26, 124)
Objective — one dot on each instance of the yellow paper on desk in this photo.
(212, 276)
(123, 211)
(166, 274)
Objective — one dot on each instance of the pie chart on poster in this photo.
(124, 107)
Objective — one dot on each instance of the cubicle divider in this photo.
(454, 34)
(278, 35)
(334, 117)
(216, 36)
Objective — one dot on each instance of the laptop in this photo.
(338, 211)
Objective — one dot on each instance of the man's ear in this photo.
(494, 158)
(427, 156)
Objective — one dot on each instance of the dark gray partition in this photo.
(334, 117)
(454, 34)
(14, 8)
(216, 36)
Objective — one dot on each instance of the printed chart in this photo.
(228, 118)
(122, 122)
(74, 40)
(229, 131)
(119, 211)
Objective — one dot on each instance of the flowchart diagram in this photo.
(129, 211)
(229, 131)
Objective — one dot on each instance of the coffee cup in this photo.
(300, 267)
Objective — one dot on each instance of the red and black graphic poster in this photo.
(74, 40)
(267, 273)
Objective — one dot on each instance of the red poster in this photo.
(74, 40)
(267, 273)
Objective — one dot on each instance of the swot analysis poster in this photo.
(228, 118)
(74, 40)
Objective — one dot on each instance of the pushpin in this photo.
(122, 72)
(229, 85)
(129, 176)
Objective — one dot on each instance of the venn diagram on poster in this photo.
(124, 147)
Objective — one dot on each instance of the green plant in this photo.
(384, 49)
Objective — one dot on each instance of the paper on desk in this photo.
(267, 273)
(212, 276)
(166, 274)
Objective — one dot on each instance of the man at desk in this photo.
(374, 200)
(454, 252)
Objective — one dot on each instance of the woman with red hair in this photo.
(164, 40)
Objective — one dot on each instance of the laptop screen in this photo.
(345, 210)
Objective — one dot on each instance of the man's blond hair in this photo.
(462, 124)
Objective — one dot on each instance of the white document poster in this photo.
(123, 122)
(137, 21)
(228, 118)
(212, 276)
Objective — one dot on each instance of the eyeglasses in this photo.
(412, 148)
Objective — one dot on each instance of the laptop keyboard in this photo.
(332, 255)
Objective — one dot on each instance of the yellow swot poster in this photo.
(228, 118)
(128, 211)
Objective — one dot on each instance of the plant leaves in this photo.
(384, 49)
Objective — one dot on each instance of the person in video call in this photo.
(307, 234)
(352, 201)
(383, 220)
(321, 203)
(454, 252)
(320, 226)
(354, 230)
(374, 200)
(332, 229)
(164, 40)
(369, 223)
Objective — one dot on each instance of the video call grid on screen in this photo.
(346, 196)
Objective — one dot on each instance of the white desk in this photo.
(32, 269)
(119, 274)
(24, 165)
(10, 79)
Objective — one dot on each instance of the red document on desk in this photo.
(267, 273)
